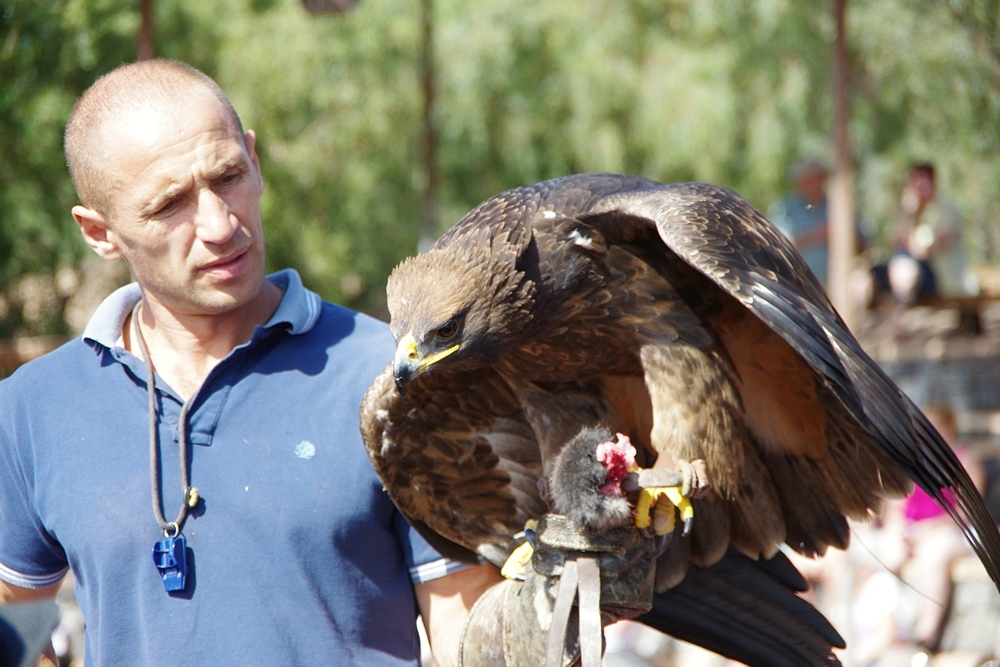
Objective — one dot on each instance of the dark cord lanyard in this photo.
(170, 529)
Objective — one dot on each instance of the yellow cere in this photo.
(407, 344)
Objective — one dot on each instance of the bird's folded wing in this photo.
(727, 240)
(457, 457)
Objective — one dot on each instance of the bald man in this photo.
(194, 456)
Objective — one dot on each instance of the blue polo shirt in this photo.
(796, 217)
(299, 557)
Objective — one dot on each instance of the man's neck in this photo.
(185, 348)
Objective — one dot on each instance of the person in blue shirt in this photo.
(194, 457)
(802, 215)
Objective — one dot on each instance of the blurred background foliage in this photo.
(727, 91)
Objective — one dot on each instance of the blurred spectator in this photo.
(935, 540)
(902, 599)
(891, 591)
(802, 214)
(929, 256)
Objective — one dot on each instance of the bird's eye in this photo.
(448, 331)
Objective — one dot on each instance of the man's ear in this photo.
(250, 140)
(96, 232)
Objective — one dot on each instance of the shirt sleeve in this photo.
(423, 561)
(778, 215)
(29, 556)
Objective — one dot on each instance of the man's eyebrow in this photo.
(174, 188)
(235, 162)
(171, 190)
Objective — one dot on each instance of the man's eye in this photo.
(167, 208)
(448, 331)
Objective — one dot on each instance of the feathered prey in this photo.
(676, 315)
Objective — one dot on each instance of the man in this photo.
(802, 215)
(293, 553)
(930, 232)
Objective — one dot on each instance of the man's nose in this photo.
(215, 222)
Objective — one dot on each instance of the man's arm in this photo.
(445, 603)
(10, 594)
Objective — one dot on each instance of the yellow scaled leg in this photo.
(648, 498)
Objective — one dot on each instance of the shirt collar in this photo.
(299, 309)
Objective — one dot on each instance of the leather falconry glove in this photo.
(576, 572)
(532, 620)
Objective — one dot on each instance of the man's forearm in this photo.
(10, 594)
(445, 604)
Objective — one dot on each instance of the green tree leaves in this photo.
(726, 91)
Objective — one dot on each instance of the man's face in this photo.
(812, 186)
(923, 184)
(185, 211)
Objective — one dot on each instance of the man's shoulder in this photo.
(339, 341)
(338, 323)
(62, 362)
(304, 314)
(333, 312)
(50, 380)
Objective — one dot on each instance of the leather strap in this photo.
(591, 634)
(582, 573)
(560, 613)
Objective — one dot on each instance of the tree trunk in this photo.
(842, 230)
(428, 207)
(145, 44)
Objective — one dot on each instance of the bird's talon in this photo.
(699, 484)
(695, 475)
(694, 484)
(665, 520)
(662, 542)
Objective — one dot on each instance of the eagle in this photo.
(680, 317)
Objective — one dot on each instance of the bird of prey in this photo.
(678, 316)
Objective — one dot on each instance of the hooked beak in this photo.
(408, 364)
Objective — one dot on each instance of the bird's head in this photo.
(455, 304)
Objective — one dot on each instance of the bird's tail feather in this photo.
(749, 611)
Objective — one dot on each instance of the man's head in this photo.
(170, 183)
(922, 181)
(809, 177)
(127, 88)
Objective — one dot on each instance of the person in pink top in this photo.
(934, 540)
